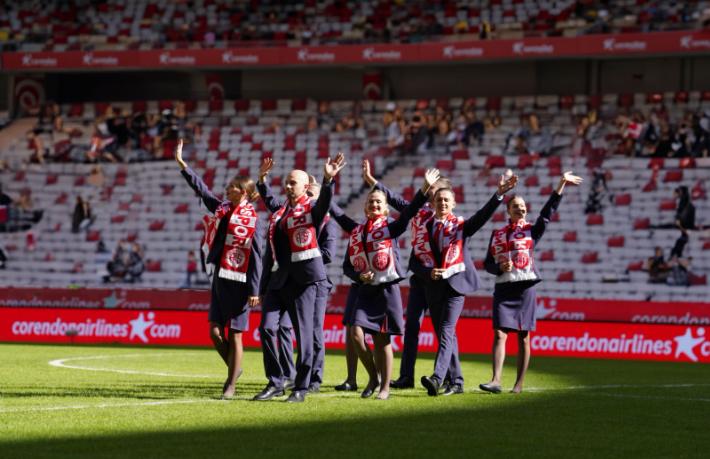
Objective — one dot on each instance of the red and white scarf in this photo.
(420, 237)
(209, 223)
(237, 243)
(448, 234)
(514, 243)
(378, 255)
(300, 231)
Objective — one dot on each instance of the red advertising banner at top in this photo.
(656, 43)
(559, 309)
(188, 328)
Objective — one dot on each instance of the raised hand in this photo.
(506, 184)
(367, 173)
(430, 177)
(333, 166)
(568, 178)
(571, 179)
(178, 155)
(266, 165)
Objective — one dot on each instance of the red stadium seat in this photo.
(595, 219)
(642, 223)
(157, 225)
(548, 255)
(635, 266)
(532, 181)
(667, 204)
(622, 199)
(118, 218)
(615, 241)
(153, 266)
(673, 176)
(181, 208)
(546, 190)
(495, 161)
(570, 236)
(697, 279)
(590, 257)
(565, 276)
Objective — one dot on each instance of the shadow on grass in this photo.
(547, 425)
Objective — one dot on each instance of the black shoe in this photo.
(347, 387)
(268, 393)
(296, 396)
(314, 388)
(431, 385)
(289, 384)
(452, 389)
(367, 393)
(492, 388)
(404, 382)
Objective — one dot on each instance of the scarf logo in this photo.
(303, 237)
(453, 254)
(381, 261)
(236, 257)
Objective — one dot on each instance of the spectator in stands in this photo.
(36, 147)
(82, 217)
(684, 219)
(597, 193)
(96, 176)
(701, 133)
(539, 138)
(419, 134)
(3, 257)
(126, 265)
(393, 128)
(679, 272)
(190, 268)
(657, 267)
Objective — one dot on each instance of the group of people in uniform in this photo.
(285, 272)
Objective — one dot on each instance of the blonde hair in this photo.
(248, 186)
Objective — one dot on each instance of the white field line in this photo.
(63, 363)
(104, 405)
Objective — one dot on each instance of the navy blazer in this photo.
(536, 232)
(302, 272)
(467, 281)
(396, 228)
(212, 202)
(326, 243)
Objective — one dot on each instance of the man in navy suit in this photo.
(296, 272)
(327, 235)
(450, 275)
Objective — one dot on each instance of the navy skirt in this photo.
(228, 303)
(514, 306)
(378, 309)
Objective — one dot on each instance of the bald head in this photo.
(296, 184)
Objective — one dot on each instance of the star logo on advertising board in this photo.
(686, 343)
(139, 326)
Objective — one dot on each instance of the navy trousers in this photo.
(286, 345)
(416, 307)
(299, 302)
(445, 307)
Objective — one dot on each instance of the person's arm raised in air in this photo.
(399, 226)
(208, 198)
(345, 222)
(394, 199)
(264, 189)
(552, 203)
(475, 222)
(330, 170)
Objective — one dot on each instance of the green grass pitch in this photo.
(109, 402)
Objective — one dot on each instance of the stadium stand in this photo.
(593, 255)
(148, 24)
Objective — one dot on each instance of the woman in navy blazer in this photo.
(233, 292)
(372, 262)
(450, 275)
(510, 259)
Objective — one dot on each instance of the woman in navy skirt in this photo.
(236, 252)
(372, 262)
(510, 259)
